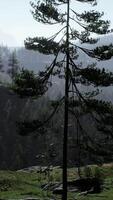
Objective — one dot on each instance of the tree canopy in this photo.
(75, 26)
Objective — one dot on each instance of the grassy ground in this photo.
(20, 185)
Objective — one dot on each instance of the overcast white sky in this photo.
(17, 23)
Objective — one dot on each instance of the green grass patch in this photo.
(19, 185)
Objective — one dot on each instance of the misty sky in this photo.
(17, 23)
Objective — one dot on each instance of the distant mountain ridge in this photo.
(36, 61)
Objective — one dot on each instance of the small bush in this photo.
(87, 172)
(98, 173)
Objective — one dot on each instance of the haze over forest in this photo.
(56, 100)
(36, 61)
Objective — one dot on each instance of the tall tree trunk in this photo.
(65, 139)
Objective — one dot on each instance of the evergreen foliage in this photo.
(13, 65)
(27, 84)
(61, 12)
(1, 62)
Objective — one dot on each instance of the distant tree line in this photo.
(12, 62)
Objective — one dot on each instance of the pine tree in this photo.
(1, 62)
(13, 65)
(62, 12)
